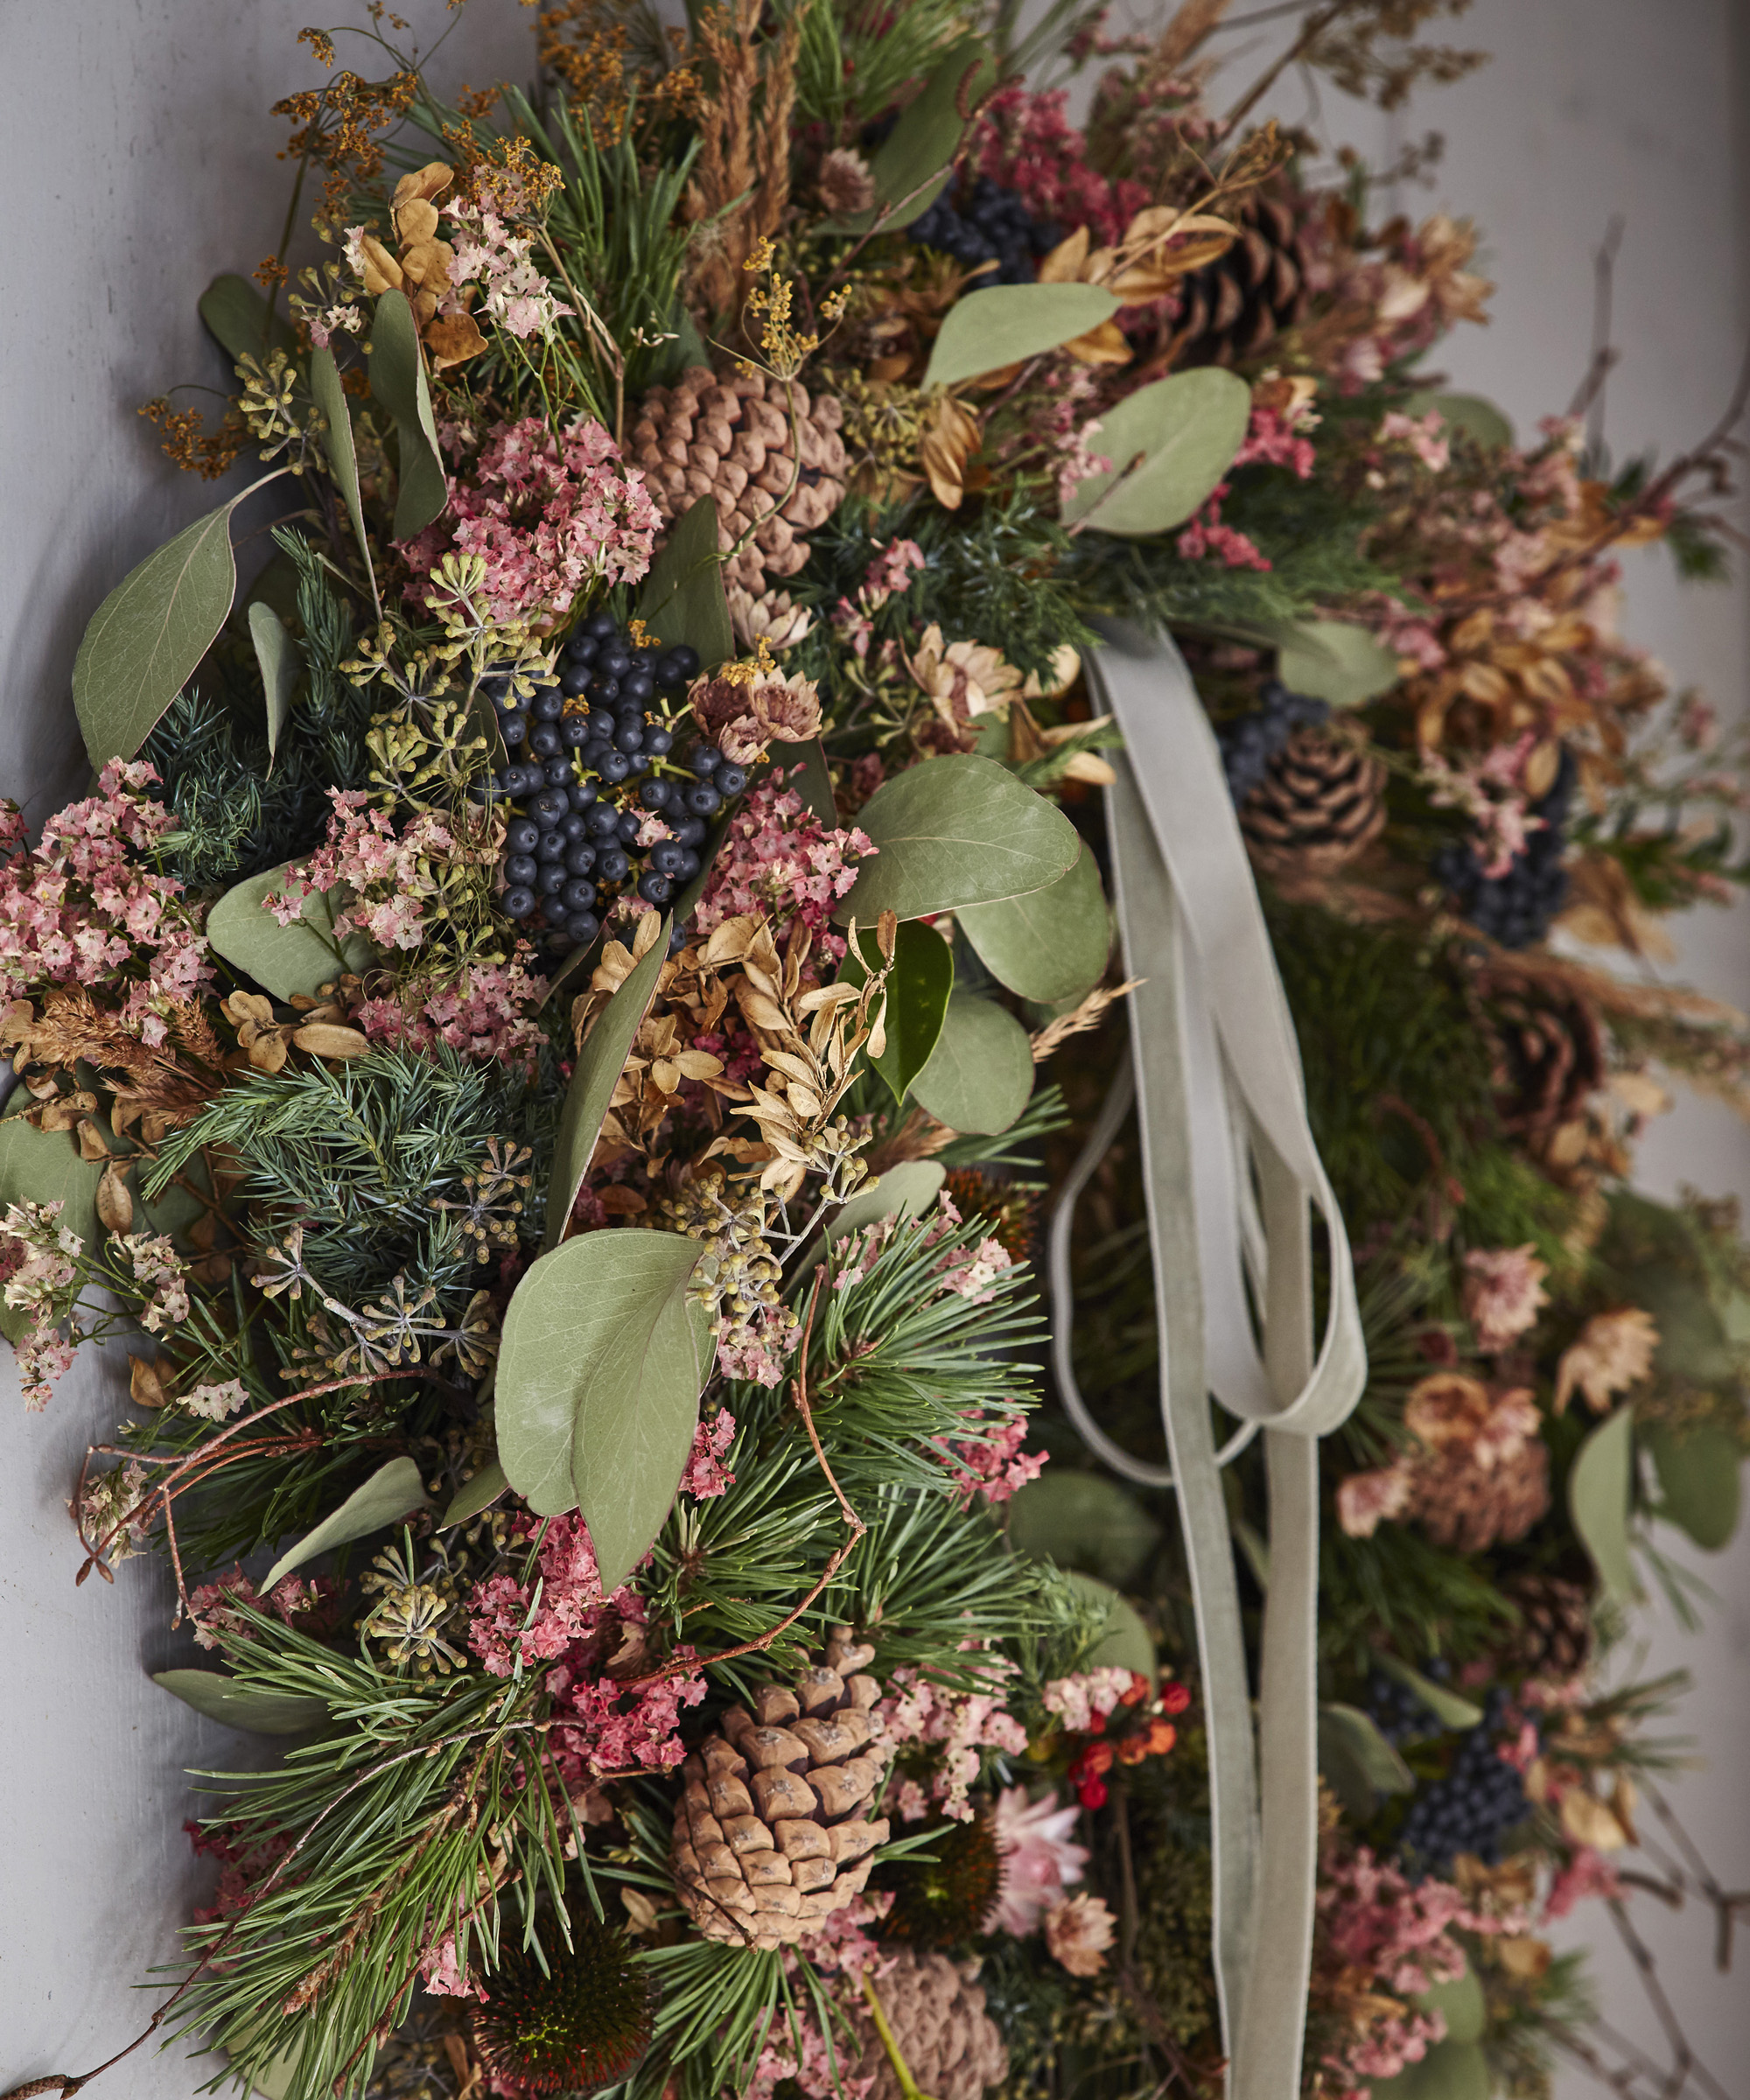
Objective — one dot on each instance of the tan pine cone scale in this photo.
(1233, 307)
(733, 439)
(1468, 1509)
(1321, 803)
(772, 1833)
(936, 2011)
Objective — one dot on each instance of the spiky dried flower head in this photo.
(582, 2022)
(948, 1898)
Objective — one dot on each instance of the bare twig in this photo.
(1588, 400)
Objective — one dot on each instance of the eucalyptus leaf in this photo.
(1448, 1707)
(1460, 2004)
(1050, 945)
(918, 988)
(980, 1074)
(1357, 1763)
(1451, 2070)
(599, 1380)
(1084, 1521)
(600, 1064)
(481, 1493)
(953, 832)
(806, 771)
(1598, 1501)
(282, 665)
(397, 369)
(905, 1191)
(330, 397)
(683, 599)
(1698, 1481)
(221, 1698)
(237, 315)
(911, 170)
(285, 961)
(1184, 431)
(1334, 660)
(393, 1491)
(1126, 1642)
(147, 638)
(43, 1166)
(1010, 323)
(1489, 425)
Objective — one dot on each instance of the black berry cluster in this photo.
(1515, 908)
(588, 759)
(990, 224)
(1250, 742)
(1396, 1711)
(1480, 1800)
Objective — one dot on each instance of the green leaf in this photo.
(1126, 1642)
(1447, 1707)
(221, 1698)
(236, 318)
(282, 664)
(912, 169)
(1050, 945)
(284, 961)
(1598, 1501)
(980, 1075)
(1461, 2002)
(43, 1166)
(393, 1492)
(682, 599)
(330, 397)
(1334, 660)
(1487, 424)
(953, 832)
(1084, 1521)
(1357, 1763)
(1698, 1481)
(599, 1381)
(918, 989)
(905, 1191)
(1451, 2070)
(149, 636)
(481, 1493)
(806, 771)
(1184, 431)
(600, 1064)
(1008, 324)
(397, 369)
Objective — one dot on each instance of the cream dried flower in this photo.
(963, 678)
(1078, 1933)
(1503, 1294)
(1614, 1352)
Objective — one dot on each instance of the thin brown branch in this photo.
(1315, 27)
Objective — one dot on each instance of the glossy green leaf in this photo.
(599, 1381)
(43, 1166)
(1334, 660)
(1699, 1482)
(149, 636)
(1125, 1643)
(1357, 1763)
(980, 1075)
(1597, 1500)
(1085, 1521)
(1170, 443)
(284, 961)
(905, 1191)
(393, 1491)
(236, 316)
(1451, 2070)
(682, 599)
(1489, 425)
(282, 665)
(1050, 945)
(911, 170)
(397, 370)
(330, 397)
(806, 771)
(1449, 1708)
(481, 1493)
(221, 1698)
(600, 1064)
(918, 988)
(1010, 323)
(953, 832)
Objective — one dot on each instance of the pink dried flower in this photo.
(992, 1463)
(1615, 1351)
(513, 292)
(1588, 1873)
(213, 1608)
(705, 1476)
(441, 1972)
(1078, 1932)
(1082, 1702)
(956, 1725)
(1503, 1293)
(780, 861)
(1024, 142)
(490, 1014)
(1366, 1499)
(1207, 535)
(1422, 434)
(1040, 1859)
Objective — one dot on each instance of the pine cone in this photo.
(1232, 308)
(772, 1833)
(1549, 1054)
(733, 439)
(1468, 1509)
(1553, 1639)
(1320, 802)
(935, 2012)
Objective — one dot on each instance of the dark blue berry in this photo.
(582, 927)
(703, 759)
(689, 865)
(519, 869)
(668, 858)
(638, 685)
(557, 773)
(573, 829)
(600, 627)
(574, 680)
(658, 743)
(548, 704)
(704, 800)
(581, 794)
(628, 733)
(603, 690)
(690, 831)
(518, 901)
(548, 807)
(731, 779)
(574, 731)
(603, 821)
(683, 660)
(578, 894)
(581, 859)
(655, 795)
(613, 766)
(552, 878)
(545, 741)
(520, 833)
(627, 825)
(654, 888)
(514, 726)
(581, 648)
(613, 865)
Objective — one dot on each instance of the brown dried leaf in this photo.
(92, 1145)
(65, 1113)
(428, 182)
(452, 339)
(1105, 345)
(322, 1038)
(145, 1387)
(620, 1201)
(382, 272)
(1063, 265)
(114, 1204)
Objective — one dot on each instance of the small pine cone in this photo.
(1553, 1639)
(1468, 1507)
(1549, 1054)
(1233, 308)
(733, 439)
(773, 1834)
(935, 2011)
(1320, 802)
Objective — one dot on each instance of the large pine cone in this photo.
(731, 439)
(1233, 307)
(772, 1833)
(1320, 802)
(936, 2014)
(1468, 1509)
(1549, 1055)
(1553, 1639)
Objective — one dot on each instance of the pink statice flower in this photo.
(511, 290)
(391, 875)
(212, 1607)
(1083, 1701)
(1367, 1500)
(440, 1971)
(779, 861)
(1423, 434)
(992, 1463)
(1491, 791)
(705, 1475)
(489, 1013)
(1207, 535)
(797, 2053)
(956, 1725)
(1503, 1294)
(216, 1403)
(550, 515)
(43, 1280)
(161, 1275)
(1041, 1859)
(1024, 140)
(1587, 1873)
(1275, 436)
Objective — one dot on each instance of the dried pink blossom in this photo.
(490, 1014)
(1587, 1873)
(1503, 1293)
(992, 1463)
(705, 1476)
(1078, 1932)
(1040, 1859)
(512, 291)
(1025, 141)
(1082, 1702)
(1615, 1351)
(1367, 1500)
(440, 1971)
(956, 1724)
(779, 861)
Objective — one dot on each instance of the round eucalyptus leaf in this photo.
(221, 1698)
(1169, 442)
(285, 961)
(980, 1074)
(1125, 1643)
(393, 1491)
(1598, 1501)
(1010, 323)
(953, 832)
(1084, 1521)
(1050, 945)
